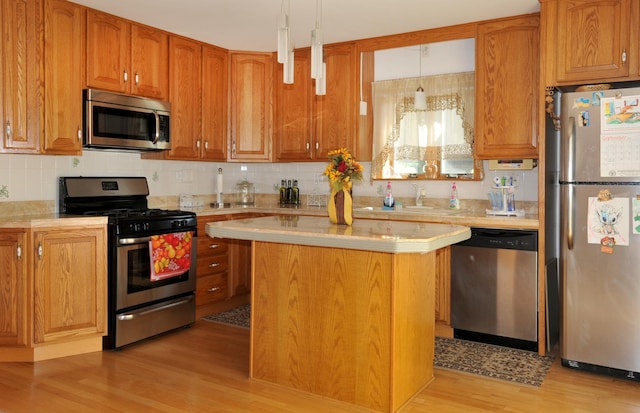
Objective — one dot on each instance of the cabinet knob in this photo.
(213, 289)
(213, 246)
(214, 264)
(308, 146)
(8, 130)
(19, 252)
(198, 144)
(624, 56)
(317, 145)
(206, 145)
(79, 133)
(40, 252)
(137, 79)
(125, 76)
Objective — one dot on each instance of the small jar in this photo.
(245, 193)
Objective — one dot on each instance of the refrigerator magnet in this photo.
(608, 219)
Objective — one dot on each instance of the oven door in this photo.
(135, 285)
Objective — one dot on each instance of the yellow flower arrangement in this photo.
(342, 169)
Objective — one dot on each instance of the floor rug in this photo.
(486, 360)
(519, 366)
(239, 316)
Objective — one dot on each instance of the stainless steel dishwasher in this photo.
(494, 287)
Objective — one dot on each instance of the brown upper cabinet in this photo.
(20, 73)
(64, 64)
(307, 126)
(126, 57)
(593, 40)
(251, 90)
(507, 67)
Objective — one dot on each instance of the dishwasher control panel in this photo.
(525, 240)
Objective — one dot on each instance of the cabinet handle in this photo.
(137, 79)
(213, 289)
(214, 264)
(8, 129)
(79, 133)
(624, 56)
(125, 76)
(40, 252)
(198, 144)
(308, 146)
(206, 145)
(317, 145)
(213, 246)
(19, 252)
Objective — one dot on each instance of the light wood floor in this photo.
(205, 369)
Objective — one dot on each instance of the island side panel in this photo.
(321, 321)
(413, 325)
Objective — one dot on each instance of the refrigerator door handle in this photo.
(569, 151)
(571, 212)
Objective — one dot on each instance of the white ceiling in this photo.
(251, 24)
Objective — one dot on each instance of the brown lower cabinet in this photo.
(224, 273)
(53, 296)
(223, 269)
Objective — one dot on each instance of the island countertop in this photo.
(366, 235)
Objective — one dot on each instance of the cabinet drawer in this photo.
(208, 247)
(212, 265)
(211, 288)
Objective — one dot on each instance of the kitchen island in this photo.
(345, 312)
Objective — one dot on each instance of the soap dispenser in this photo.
(388, 202)
(454, 202)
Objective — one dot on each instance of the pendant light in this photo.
(283, 32)
(316, 44)
(288, 68)
(420, 98)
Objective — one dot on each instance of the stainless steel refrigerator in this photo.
(599, 234)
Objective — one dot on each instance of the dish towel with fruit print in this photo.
(170, 254)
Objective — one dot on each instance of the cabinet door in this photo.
(70, 283)
(149, 62)
(336, 111)
(294, 135)
(507, 66)
(251, 90)
(20, 71)
(593, 38)
(14, 313)
(215, 78)
(108, 52)
(64, 64)
(185, 59)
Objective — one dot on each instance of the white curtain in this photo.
(393, 100)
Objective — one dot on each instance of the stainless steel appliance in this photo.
(599, 236)
(124, 122)
(494, 287)
(143, 298)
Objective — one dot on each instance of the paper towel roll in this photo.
(219, 186)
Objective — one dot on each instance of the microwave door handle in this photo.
(157, 127)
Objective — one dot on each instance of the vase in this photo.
(340, 207)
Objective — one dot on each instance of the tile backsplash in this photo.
(35, 177)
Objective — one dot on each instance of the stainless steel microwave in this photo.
(124, 122)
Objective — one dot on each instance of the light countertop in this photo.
(367, 235)
(50, 220)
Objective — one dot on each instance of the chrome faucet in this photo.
(420, 194)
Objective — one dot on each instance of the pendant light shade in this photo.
(419, 97)
(288, 67)
(321, 82)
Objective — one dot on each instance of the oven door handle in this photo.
(131, 316)
(131, 241)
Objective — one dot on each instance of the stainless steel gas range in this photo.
(151, 256)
